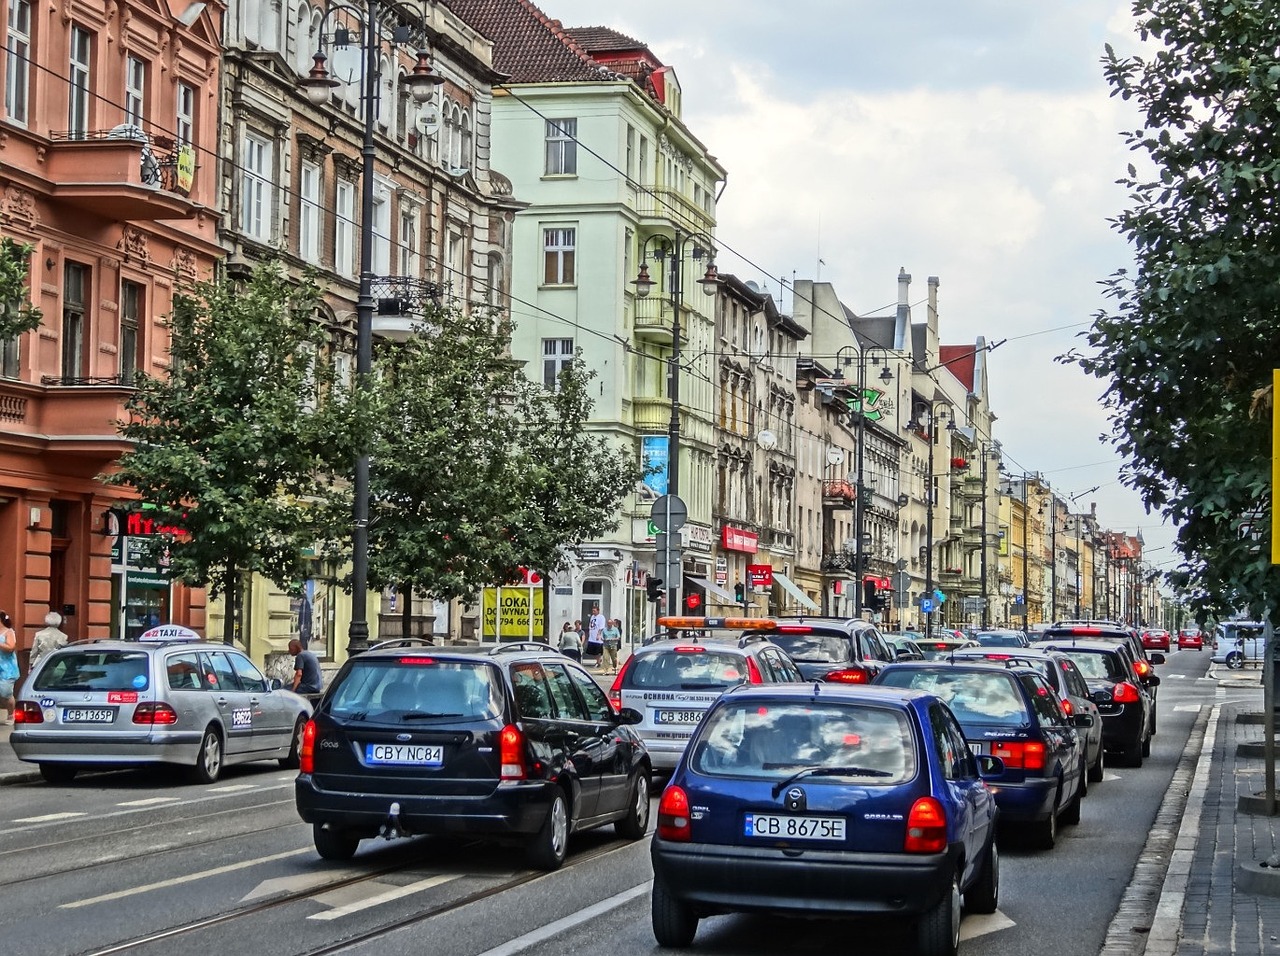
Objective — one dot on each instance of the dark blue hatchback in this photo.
(1013, 714)
(826, 800)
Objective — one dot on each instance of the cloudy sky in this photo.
(973, 141)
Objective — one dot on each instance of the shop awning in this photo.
(790, 587)
(715, 589)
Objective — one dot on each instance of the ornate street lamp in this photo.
(371, 19)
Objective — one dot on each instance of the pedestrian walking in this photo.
(612, 641)
(8, 664)
(48, 638)
(570, 642)
(307, 678)
(595, 634)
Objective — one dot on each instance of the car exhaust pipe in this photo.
(392, 828)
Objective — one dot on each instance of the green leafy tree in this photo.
(238, 444)
(1192, 333)
(476, 471)
(17, 314)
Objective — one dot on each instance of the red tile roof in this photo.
(959, 360)
(605, 40)
(528, 45)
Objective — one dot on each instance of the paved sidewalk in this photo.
(13, 770)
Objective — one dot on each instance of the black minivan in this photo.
(838, 650)
(514, 742)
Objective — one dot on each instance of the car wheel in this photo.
(1235, 660)
(58, 772)
(208, 758)
(1146, 746)
(984, 895)
(1133, 754)
(938, 933)
(1044, 834)
(547, 849)
(1099, 767)
(334, 844)
(636, 822)
(1084, 778)
(674, 922)
(1071, 812)
(291, 762)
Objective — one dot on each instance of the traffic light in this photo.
(739, 592)
(653, 588)
(869, 593)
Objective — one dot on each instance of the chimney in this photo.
(902, 320)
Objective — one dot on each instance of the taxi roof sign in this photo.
(708, 623)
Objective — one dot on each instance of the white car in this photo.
(1235, 642)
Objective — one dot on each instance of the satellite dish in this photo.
(834, 455)
(457, 172)
(767, 440)
(427, 121)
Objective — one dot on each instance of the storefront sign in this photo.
(739, 539)
(523, 615)
(760, 575)
(696, 537)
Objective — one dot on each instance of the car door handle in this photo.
(253, 700)
(222, 701)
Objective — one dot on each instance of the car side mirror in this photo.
(275, 684)
(1152, 680)
(1082, 720)
(989, 766)
(629, 715)
(1156, 658)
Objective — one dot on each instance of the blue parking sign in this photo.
(926, 605)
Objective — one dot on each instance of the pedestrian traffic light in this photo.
(739, 592)
(653, 589)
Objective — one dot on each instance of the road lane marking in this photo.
(385, 897)
(980, 924)
(232, 788)
(178, 880)
(49, 817)
(542, 933)
(298, 882)
(1187, 708)
(149, 802)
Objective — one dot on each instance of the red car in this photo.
(1155, 640)
(1190, 638)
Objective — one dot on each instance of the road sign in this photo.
(926, 605)
(760, 575)
(901, 582)
(669, 513)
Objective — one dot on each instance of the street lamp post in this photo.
(318, 86)
(864, 492)
(672, 250)
(917, 425)
(989, 451)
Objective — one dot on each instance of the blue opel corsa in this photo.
(827, 800)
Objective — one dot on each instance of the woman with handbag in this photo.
(570, 642)
(8, 664)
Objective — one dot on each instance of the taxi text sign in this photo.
(521, 606)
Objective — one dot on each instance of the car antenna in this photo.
(817, 686)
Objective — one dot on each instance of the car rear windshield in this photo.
(1000, 640)
(985, 697)
(1098, 665)
(95, 670)
(935, 650)
(871, 744)
(676, 669)
(814, 648)
(417, 688)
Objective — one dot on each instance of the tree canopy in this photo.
(17, 314)
(1191, 335)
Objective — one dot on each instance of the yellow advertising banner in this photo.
(186, 167)
(523, 617)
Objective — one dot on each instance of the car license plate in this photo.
(797, 828)
(677, 716)
(88, 715)
(405, 755)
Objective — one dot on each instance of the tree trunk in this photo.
(230, 586)
(406, 610)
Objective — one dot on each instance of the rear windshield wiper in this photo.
(829, 772)
(424, 715)
(701, 685)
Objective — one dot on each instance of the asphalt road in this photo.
(143, 863)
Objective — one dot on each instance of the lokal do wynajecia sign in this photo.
(523, 614)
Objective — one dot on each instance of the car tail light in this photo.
(753, 673)
(1142, 667)
(28, 712)
(926, 827)
(673, 816)
(998, 657)
(794, 629)
(615, 692)
(511, 752)
(849, 675)
(1068, 708)
(154, 712)
(1019, 754)
(1081, 631)
(417, 660)
(1125, 693)
(307, 752)
(689, 649)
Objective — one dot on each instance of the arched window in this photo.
(446, 130)
(464, 158)
(387, 95)
(497, 291)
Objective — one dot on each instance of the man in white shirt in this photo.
(595, 633)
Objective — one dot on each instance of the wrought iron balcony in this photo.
(834, 562)
(122, 173)
(838, 493)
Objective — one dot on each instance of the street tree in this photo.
(237, 447)
(17, 314)
(477, 471)
(1188, 340)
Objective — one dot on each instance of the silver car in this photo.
(123, 703)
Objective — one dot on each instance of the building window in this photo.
(186, 120)
(9, 356)
(409, 242)
(75, 287)
(631, 153)
(344, 229)
(130, 321)
(17, 69)
(562, 147)
(456, 263)
(309, 192)
(558, 249)
(381, 230)
(135, 91)
(496, 293)
(642, 169)
(255, 188)
(78, 83)
(556, 356)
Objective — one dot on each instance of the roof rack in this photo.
(404, 642)
(522, 646)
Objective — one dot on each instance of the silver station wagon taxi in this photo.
(197, 704)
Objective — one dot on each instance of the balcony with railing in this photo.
(650, 414)
(668, 205)
(838, 493)
(65, 415)
(121, 173)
